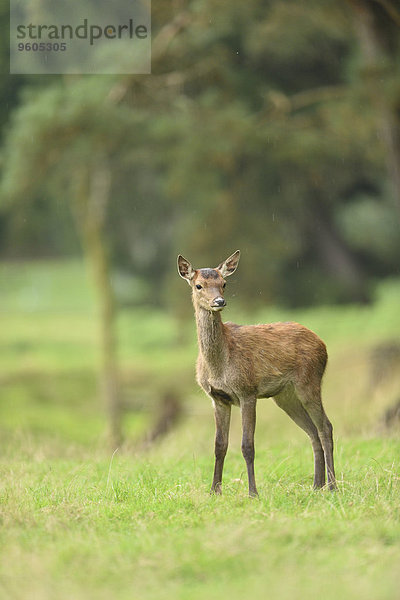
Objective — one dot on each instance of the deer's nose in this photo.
(219, 301)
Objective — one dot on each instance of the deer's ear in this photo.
(229, 266)
(185, 269)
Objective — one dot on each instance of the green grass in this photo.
(77, 522)
(145, 527)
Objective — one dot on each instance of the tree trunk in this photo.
(91, 202)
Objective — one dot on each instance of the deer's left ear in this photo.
(185, 269)
(229, 266)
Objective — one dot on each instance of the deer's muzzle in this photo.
(218, 303)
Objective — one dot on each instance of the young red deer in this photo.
(240, 364)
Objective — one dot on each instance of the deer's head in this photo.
(208, 285)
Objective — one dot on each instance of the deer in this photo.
(238, 365)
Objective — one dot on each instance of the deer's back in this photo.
(283, 344)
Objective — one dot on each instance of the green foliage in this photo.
(57, 127)
(362, 219)
(256, 130)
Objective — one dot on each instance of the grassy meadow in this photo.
(80, 521)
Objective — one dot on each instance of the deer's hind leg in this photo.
(310, 397)
(288, 401)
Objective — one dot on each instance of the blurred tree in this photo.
(63, 141)
(72, 141)
(263, 111)
(255, 130)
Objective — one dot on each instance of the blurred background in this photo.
(272, 127)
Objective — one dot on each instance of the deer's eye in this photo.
(224, 285)
(198, 286)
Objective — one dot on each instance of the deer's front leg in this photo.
(222, 413)
(248, 410)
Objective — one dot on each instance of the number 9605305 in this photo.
(42, 47)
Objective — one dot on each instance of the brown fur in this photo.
(237, 365)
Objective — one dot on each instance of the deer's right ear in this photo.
(185, 269)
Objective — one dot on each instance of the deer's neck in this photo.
(211, 338)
